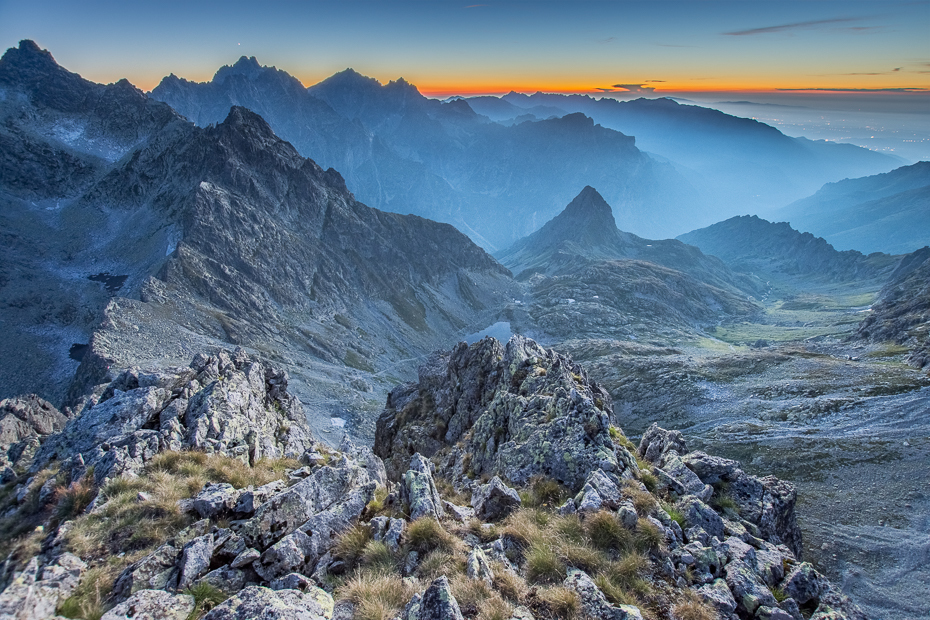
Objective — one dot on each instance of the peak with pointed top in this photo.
(246, 66)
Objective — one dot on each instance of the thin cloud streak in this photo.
(794, 26)
(859, 90)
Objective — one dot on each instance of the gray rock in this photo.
(339, 494)
(772, 613)
(394, 534)
(748, 590)
(594, 603)
(690, 483)
(627, 515)
(216, 498)
(477, 566)
(494, 500)
(35, 595)
(195, 560)
(156, 571)
(699, 514)
(804, 584)
(412, 608)
(225, 578)
(411, 561)
(24, 421)
(250, 500)
(606, 488)
(418, 490)
(438, 603)
(718, 595)
(257, 603)
(521, 613)
(462, 514)
(657, 442)
(588, 500)
(152, 605)
(710, 469)
(291, 581)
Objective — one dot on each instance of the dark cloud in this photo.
(634, 88)
(793, 26)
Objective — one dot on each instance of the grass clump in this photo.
(779, 594)
(74, 500)
(426, 534)
(510, 584)
(607, 533)
(88, 598)
(352, 543)
(648, 537)
(544, 492)
(206, 597)
(674, 514)
(649, 480)
(376, 596)
(691, 607)
(477, 598)
(376, 556)
(437, 563)
(543, 565)
(643, 501)
(559, 602)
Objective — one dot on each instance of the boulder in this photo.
(216, 498)
(258, 603)
(156, 571)
(657, 442)
(249, 500)
(462, 514)
(24, 421)
(698, 514)
(494, 500)
(36, 594)
(593, 602)
(748, 590)
(804, 584)
(477, 566)
(418, 490)
(438, 603)
(226, 578)
(152, 605)
(718, 595)
(195, 560)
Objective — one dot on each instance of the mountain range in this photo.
(881, 213)
(738, 164)
(402, 152)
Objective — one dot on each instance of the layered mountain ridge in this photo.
(403, 152)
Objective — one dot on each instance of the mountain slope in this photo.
(406, 153)
(776, 250)
(588, 279)
(902, 314)
(882, 213)
(229, 237)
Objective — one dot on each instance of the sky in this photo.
(837, 55)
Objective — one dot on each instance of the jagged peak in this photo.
(29, 58)
(246, 66)
(243, 117)
(589, 204)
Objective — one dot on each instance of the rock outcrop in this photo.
(24, 422)
(514, 410)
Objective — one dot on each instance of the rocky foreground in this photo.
(499, 487)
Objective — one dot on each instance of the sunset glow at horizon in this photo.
(619, 49)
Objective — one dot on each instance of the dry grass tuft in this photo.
(426, 534)
(510, 584)
(543, 565)
(607, 533)
(376, 596)
(692, 608)
(559, 602)
(351, 544)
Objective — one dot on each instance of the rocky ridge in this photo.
(281, 550)
(902, 314)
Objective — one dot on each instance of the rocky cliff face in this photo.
(902, 314)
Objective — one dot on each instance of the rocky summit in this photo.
(505, 490)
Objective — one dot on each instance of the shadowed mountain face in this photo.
(738, 163)
(228, 236)
(589, 279)
(881, 213)
(402, 152)
(753, 245)
(902, 313)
